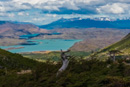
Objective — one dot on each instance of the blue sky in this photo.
(45, 11)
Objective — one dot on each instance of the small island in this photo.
(11, 48)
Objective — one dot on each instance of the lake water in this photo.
(42, 45)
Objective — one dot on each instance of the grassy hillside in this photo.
(54, 56)
(80, 73)
(15, 61)
(123, 46)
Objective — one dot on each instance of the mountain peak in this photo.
(102, 22)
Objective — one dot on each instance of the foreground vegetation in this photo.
(54, 56)
(18, 71)
(80, 73)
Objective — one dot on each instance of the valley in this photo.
(35, 56)
(93, 39)
(22, 38)
(64, 43)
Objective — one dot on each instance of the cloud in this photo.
(11, 15)
(46, 11)
(12, 6)
(38, 19)
(49, 5)
(70, 11)
(115, 8)
(66, 6)
(23, 14)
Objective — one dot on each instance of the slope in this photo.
(123, 46)
(15, 61)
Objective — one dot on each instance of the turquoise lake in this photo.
(43, 45)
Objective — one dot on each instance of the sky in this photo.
(42, 12)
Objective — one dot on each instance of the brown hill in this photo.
(14, 30)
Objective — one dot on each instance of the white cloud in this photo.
(21, 13)
(50, 5)
(115, 8)
(54, 15)
(11, 15)
(45, 4)
(41, 10)
(38, 19)
(51, 15)
(2, 14)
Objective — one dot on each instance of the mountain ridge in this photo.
(88, 23)
(13, 29)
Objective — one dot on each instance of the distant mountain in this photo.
(88, 23)
(14, 22)
(2, 22)
(15, 29)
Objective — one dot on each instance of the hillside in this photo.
(123, 46)
(10, 32)
(16, 62)
(13, 30)
(80, 73)
(88, 23)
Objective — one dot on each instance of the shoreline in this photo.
(12, 48)
(38, 52)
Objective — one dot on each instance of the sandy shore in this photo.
(41, 52)
(37, 52)
(11, 48)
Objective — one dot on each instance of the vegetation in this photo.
(79, 73)
(54, 56)
(18, 71)
(122, 47)
(12, 61)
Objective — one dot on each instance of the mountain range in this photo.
(88, 23)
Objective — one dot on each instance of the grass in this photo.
(54, 56)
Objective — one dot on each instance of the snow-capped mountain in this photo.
(102, 22)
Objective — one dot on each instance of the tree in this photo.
(113, 53)
(65, 61)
